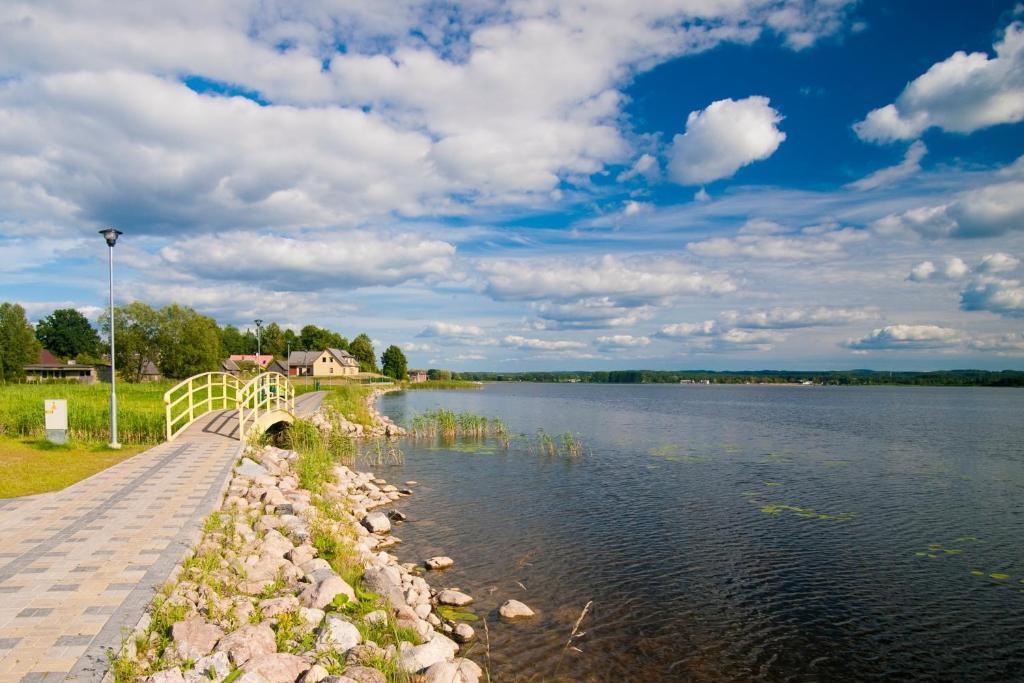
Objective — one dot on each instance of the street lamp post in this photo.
(111, 235)
(259, 323)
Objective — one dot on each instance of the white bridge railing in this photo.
(190, 399)
(263, 394)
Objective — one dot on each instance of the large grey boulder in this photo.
(279, 667)
(251, 469)
(324, 593)
(377, 523)
(439, 562)
(459, 671)
(415, 658)
(248, 642)
(378, 580)
(513, 609)
(454, 598)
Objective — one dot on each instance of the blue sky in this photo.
(533, 185)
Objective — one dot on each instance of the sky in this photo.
(532, 184)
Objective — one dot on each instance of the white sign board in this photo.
(56, 412)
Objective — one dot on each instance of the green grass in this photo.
(350, 401)
(29, 466)
(442, 384)
(140, 411)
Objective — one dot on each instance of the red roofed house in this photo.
(262, 360)
(50, 369)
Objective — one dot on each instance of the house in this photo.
(327, 363)
(262, 360)
(150, 372)
(230, 367)
(49, 368)
(417, 376)
(278, 367)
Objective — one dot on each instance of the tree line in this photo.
(180, 341)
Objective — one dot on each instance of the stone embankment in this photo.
(263, 599)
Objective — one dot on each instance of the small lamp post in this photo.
(111, 235)
(259, 324)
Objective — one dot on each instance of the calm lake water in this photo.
(733, 532)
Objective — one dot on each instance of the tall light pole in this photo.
(259, 323)
(111, 235)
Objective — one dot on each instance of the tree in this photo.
(393, 362)
(272, 340)
(18, 345)
(136, 326)
(291, 341)
(231, 341)
(313, 338)
(189, 342)
(437, 374)
(67, 333)
(362, 349)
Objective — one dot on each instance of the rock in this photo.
(278, 606)
(457, 599)
(252, 640)
(214, 667)
(276, 545)
(463, 633)
(377, 523)
(311, 618)
(376, 617)
(251, 469)
(300, 555)
(422, 610)
(460, 671)
(414, 658)
(411, 483)
(362, 674)
(284, 509)
(279, 667)
(439, 562)
(194, 638)
(513, 609)
(338, 634)
(167, 676)
(378, 580)
(323, 594)
(315, 674)
(251, 677)
(396, 516)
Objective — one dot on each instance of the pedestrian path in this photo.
(78, 567)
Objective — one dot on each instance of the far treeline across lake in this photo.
(940, 378)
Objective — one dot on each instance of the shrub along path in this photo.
(79, 567)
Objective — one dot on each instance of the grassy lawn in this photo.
(29, 466)
(350, 401)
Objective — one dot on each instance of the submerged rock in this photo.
(438, 562)
(513, 609)
(457, 598)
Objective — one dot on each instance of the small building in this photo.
(327, 363)
(262, 360)
(150, 372)
(417, 376)
(230, 367)
(278, 367)
(49, 368)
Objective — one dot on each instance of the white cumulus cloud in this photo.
(954, 269)
(621, 341)
(961, 94)
(534, 344)
(910, 165)
(996, 295)
(782, 318)
(724, 137)
(896, 337)
(764, 242)
(988, 211)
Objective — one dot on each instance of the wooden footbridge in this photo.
(222, 404)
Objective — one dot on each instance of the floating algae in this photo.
(805, 513)
(772, 483)
(977, 572)
(999, 576)
(935, 550)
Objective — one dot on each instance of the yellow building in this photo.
(327, 363)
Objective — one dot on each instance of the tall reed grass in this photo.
(448, 423)
(140, 410)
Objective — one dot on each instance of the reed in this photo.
(567, 444)
(447, 384)
(448, 423)
(140, 411)
(573, 635)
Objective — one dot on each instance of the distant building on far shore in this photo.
(262, 360)
(417, 376)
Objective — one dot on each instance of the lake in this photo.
(767, 533)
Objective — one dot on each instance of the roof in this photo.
(262, 360)
(47, 358)
(150, 368)
(48, 361)
(277, 366)
(229, 365)
(303, 358)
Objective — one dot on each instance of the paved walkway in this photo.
(78, 567)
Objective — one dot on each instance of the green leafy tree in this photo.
(291, 341)
(272, 340)
(232, 341)
(136, 326)
(362, 349)
(189, 342)
(437, 374)
(68, 334)
(394, 363)
(18, 344)
(313, 338)
(249, 342)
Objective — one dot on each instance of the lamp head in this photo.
(258, 322)
(111, 235)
